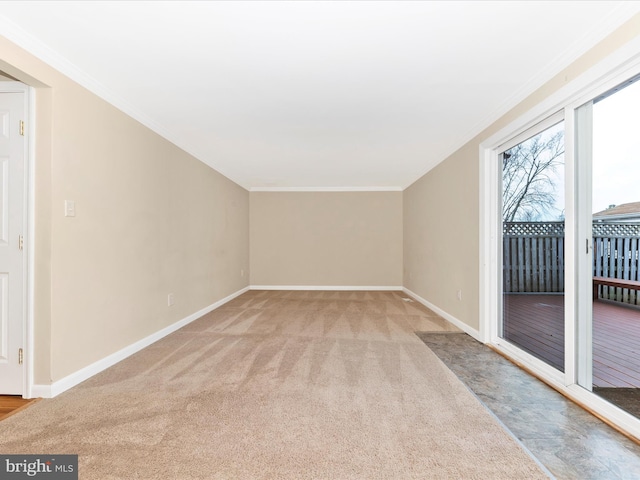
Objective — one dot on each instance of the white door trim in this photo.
(28, 222)
(30, 197)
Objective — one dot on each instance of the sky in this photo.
(616, 153)
(616, 149)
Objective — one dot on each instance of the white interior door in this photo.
(12, 261)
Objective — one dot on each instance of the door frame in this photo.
(28, 227)
(491, 294)
(625, 62)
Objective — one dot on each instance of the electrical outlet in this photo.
(170, 300)
(242, 272)
(460, 295)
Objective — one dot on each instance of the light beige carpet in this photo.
(279, 385)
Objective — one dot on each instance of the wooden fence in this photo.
(533, 257)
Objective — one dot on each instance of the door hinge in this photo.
(22, 127)
(20, 356)
(20, 242)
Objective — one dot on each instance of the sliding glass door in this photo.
(570, 289)
(560, 243)
(609, 148)
(533, 243)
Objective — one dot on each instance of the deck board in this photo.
(536, 324)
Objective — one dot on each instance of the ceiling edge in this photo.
(611, 22)
(40, 50)
(326, 189)
(34, 46)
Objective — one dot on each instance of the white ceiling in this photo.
(313, 94)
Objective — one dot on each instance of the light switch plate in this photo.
(69, 208)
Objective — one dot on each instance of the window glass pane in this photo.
(533, 245)
(616, 245)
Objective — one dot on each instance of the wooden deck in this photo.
(536, 324)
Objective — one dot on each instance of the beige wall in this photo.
(326, 238)
(441, 213)
(441, 236)
(150, 220)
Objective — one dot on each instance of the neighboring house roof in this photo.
(626, 210)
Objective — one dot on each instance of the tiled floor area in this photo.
(566, 439)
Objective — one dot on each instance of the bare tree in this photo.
(528, 172)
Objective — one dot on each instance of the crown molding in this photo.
(326, 189)
(43, 52)
(624, 12)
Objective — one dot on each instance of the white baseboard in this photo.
(376, 288)
(56, 388)
(458, 323)
(41, 391)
